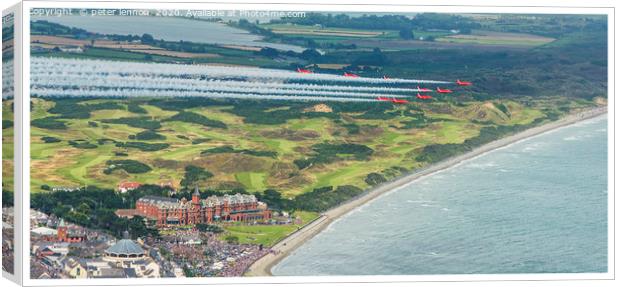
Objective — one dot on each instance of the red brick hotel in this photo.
(171, 211)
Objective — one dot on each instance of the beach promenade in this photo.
(262, 267)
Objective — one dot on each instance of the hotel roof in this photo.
(211, 201)
(43, 231)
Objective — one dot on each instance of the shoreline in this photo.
(263, 266)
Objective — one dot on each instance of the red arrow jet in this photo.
(303, 71)
(424, 89)
(350, 75)
(383, 99)
(464, 83)
(399, 101)
(443, 91)
(424, 97)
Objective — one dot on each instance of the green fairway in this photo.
(252, 181)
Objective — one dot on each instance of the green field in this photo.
(323, 31)
(497, 38)
(266, 235)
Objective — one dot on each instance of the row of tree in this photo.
(423, 21)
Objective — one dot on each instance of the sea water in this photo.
(536, 206)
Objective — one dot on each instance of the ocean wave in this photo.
(482, 165)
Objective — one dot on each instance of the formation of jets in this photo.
(402, 101)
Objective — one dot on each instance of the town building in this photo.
(71, 49)
(124, 250)
(71, 235)
(65, 188)
(132, 258)
(171, 211)
(73, 268)
(44, 233)
(127, 186)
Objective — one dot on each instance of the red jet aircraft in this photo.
(350, 75)
(383, 99)
(464, 83)
(424, 97)
(399, 101)
(424, 89)
(443, 91)
(303, 71)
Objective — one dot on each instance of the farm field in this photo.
(497, 38)
(390, 38)
(67, 47)
(334, 32)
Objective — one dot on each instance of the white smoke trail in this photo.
(76, 77)
(102, 67)
(39, 78)
(8, 91)
(128, 83)
(133, 93)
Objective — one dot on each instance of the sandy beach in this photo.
(262, 267)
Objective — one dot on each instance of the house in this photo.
(44, 233)
(189, 240)
(44, 275)
(71, 235)
(56, 249)
(109, 273)
(74, 268)
(52, 261)
(65, 188)
(127, 186)
(71, 49)
(168, 184)
(126, 213)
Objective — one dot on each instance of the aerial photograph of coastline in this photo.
(291, 143)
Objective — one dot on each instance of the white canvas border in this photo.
(17, 86)
(439, 6)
